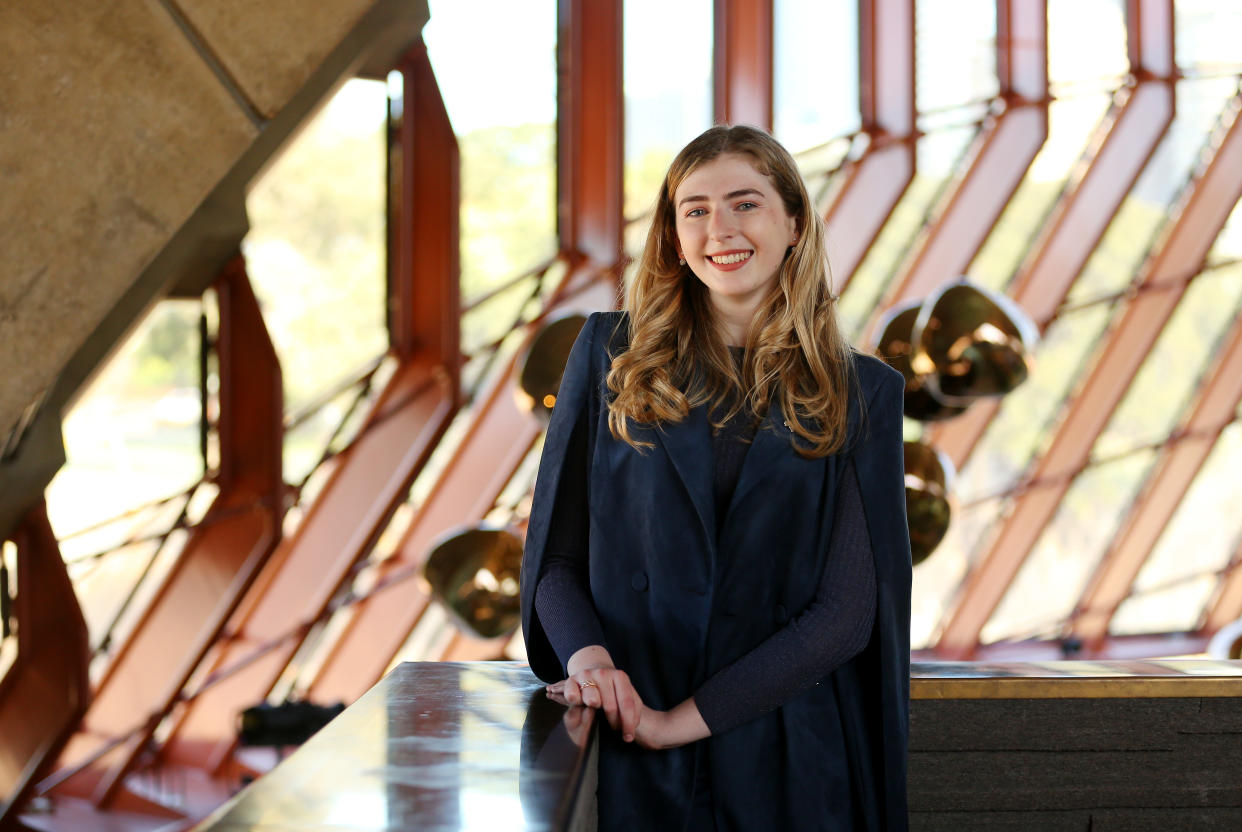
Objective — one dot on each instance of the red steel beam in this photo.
(217, 565)
(872, 185)
(372, 477)
(423, 230)
(1193, 226)
(1124, 143)
(590, 130)
(497, 440)
(590, 106)
(1171, 477)
(46, 689)
(742, 62)
(999, 158)
(1227, 606)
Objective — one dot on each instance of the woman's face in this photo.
(733, 231)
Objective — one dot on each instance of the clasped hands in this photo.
(594, 682)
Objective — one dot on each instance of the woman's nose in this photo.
(720, 225)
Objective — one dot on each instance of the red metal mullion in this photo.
(590, 130)
(426, 278)
(742, 60)
(1130, 134)
(47, 688)
(1195, 222)
(1168, 483)
(590, 108)
(496, 442)
(873, 184)
(1000, 157)
(1227, 606)
(214, 569)
(372, 476)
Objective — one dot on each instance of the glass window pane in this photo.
(132, 436)
(505, 122)
(1181, 574)
(1086, 42)
(1207, 33)
(1167, 381)
(815, 69)
(1071, 124)
(1199, 106)
(1050, 582)
(668, 99)
(937, 154)
(316, 249)
(955, 52)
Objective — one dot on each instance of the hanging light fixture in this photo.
(895, 345)
(474, 574)
(969, 342)
(543, 363)
(929, 475)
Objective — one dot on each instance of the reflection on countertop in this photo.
(433, 746)
(455, 746)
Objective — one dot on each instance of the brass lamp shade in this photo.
(541, 367)
(895, 346)
(475, 575)
(928, 477)
(970, 342)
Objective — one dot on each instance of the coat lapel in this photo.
(771, 443)
(688, 444)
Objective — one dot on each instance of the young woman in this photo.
(717, 556)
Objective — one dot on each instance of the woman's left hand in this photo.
(606, 689)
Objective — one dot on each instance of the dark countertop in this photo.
(478, 745)
(433, 746)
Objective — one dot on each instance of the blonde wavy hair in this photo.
(677, 358)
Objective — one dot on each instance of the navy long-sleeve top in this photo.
(830, 631)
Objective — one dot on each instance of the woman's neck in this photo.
(733, 322)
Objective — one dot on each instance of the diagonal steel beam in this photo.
(1185, 241)
(1227, 607)
(218, 564)
(1124, 143)
(372, 476)
(1217, 402)
(742, 61)
(590, 98)
(872, 185)
(499, 437)
(46, 690)
(999, 158)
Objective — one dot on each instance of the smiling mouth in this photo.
(730, 258)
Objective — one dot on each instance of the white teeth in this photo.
(726, 259)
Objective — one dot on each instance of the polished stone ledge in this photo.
(433, 746)
(478, 745)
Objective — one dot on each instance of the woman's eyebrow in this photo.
(729, 195)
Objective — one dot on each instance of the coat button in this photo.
(639, 581)
(781, 615)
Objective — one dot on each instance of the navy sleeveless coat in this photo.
(675, 609)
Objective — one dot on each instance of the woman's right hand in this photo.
(594, 682)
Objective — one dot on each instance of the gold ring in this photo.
(587, 684)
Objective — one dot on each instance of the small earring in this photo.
(681, 261)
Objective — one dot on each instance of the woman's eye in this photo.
(746, 206)
(695, 212)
